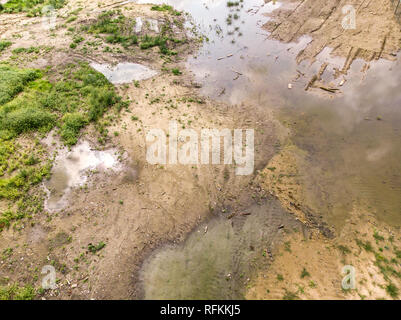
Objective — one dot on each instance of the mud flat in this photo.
(376, 34)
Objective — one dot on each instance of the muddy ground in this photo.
(375, 35)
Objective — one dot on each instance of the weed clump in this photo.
(4, 45)
(95, 248)
(166, 8)
(118, 29)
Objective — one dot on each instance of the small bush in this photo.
(4, 45)
(27, 119)
(304, 273)
(392, 290)
(13, 81)
(72, 125)
(95, 248)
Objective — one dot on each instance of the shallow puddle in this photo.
(218, 259)
(71, 170)
(124, 72)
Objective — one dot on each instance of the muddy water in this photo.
(352, 157)
(124, 72)
(218, 259)
(71, 170)
(352, 142)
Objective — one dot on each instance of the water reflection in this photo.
(352, 140)
(71, 170)
(124, 72)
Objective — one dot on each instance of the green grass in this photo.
(392, 290)
(30, 106)
(4, 45)
(15, 292)
(118, 29)
(377, 236)
(43, 105)
(31, 7)
(26, 50)
(344, 249)
(13, 81)
(176, 72)
(95, 248)
(166, 8)
(365, 245)
(288, 295)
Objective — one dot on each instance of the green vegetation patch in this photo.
(95, 248)
(166, 8)
(392, 291)
(31, 7)
(31, 106)
(15, 292)
(118, 29)
(4, 45)
(81, 96)
(13, 81)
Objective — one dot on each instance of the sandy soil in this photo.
(376, 35)
(324, 259)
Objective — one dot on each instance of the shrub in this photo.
(72, 125)
(4, 45)
(27, 119)
(13, 80)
